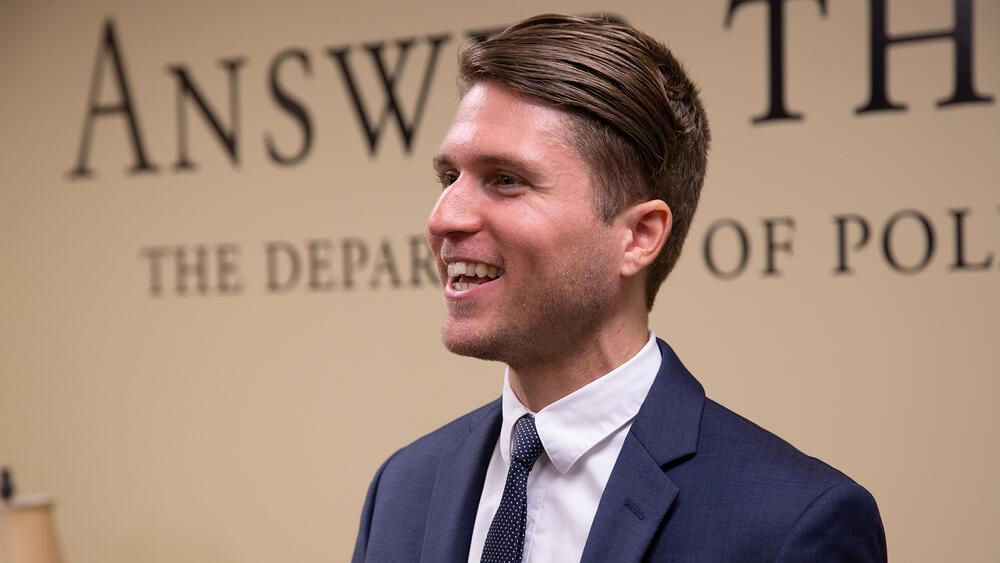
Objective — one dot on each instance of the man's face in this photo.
(516, 213)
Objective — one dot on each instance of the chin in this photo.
(464, 343)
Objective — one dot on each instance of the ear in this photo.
(647, 227)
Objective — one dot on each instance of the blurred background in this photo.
(219, 317)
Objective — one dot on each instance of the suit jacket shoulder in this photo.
(427, 490)
(747, 495)
(696, 482)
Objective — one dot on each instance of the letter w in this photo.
(388, 81)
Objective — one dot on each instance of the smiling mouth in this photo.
(463, 276)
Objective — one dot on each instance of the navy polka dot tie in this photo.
(505, 539)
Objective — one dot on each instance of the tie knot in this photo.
(527, 444)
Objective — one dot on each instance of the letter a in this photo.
(109, 47)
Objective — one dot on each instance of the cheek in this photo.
(567, 242)
(597, 248)
(537, 241)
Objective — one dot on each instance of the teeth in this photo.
(456, 269)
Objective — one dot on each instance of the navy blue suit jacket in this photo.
(694, 482)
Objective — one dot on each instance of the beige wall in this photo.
(245, 427)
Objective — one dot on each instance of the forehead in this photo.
(495, 123)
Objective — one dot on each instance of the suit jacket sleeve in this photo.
(840, 525)
(361, 545)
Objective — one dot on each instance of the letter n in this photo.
(186, 89)
(108, 49)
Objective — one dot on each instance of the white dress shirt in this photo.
(582, 434)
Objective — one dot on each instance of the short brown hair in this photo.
(635, 116)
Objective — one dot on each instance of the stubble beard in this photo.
(539, 325)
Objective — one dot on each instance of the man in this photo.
(569, 178)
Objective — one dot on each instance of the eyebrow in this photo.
(498, 160)
(440, 161)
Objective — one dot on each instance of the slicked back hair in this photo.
(633, 113)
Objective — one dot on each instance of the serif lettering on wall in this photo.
(390, 110)
(404, 115)
(961, 35)
(909, 241)
(318, 265)
(906, 242)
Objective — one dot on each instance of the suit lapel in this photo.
(455, 500)
(634, 502)
(639, 494)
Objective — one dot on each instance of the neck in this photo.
(562, 372)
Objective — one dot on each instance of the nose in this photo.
(456, 211)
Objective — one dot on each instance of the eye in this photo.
(447, 178)
(509, 183)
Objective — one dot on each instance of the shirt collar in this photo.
(573, 425)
